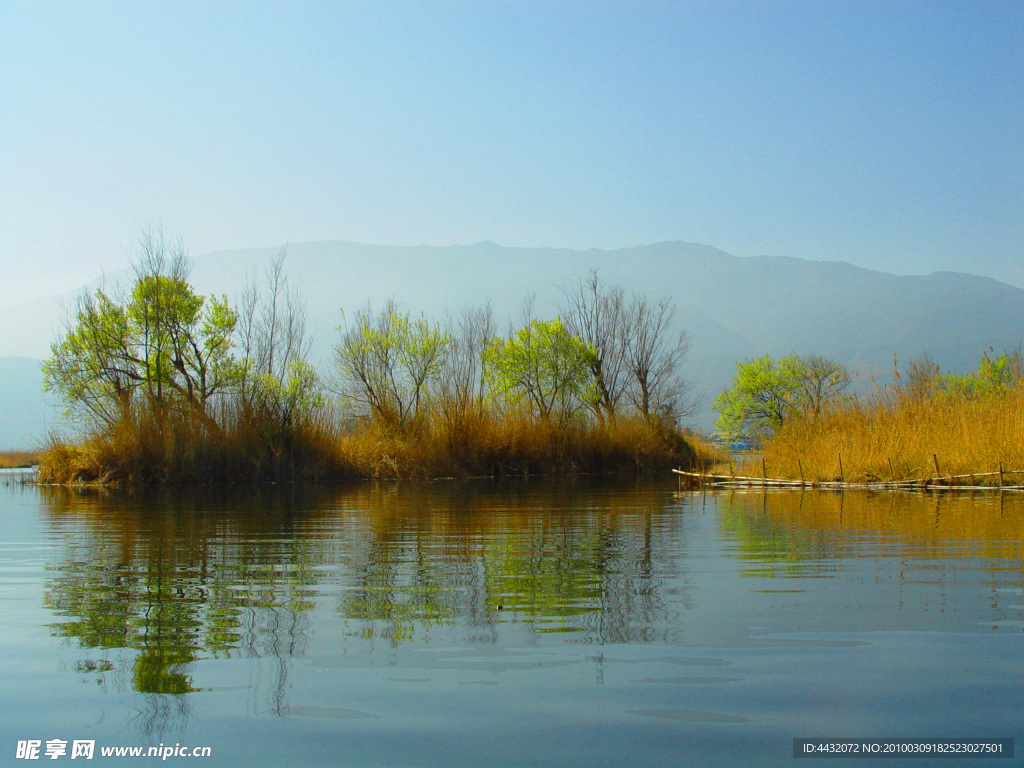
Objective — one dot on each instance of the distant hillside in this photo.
(733, 307)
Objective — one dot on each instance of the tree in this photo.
(543, 366)
(597, 315)
(638, 353)
(461, 382)
(765, 393)
(822, 381)
(161, 347)
(994, 376)
(388, 363)
(278, 385)
(93, 366)
(920, 379)
(653, 356)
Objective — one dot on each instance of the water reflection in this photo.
(606, 615)
(184, 575)
(793, 533)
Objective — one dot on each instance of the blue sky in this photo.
(887, 134)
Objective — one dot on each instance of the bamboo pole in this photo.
(842, 477)
(764, 481)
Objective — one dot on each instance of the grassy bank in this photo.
(14, 459)
(144, 450)
(901, 433)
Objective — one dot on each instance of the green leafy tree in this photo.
(93, 366)
(162, 347)
(993, 377)
(389, 363)
(543, 366)
(766, 392)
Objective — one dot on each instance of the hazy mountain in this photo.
(732, 307)
(26, 412)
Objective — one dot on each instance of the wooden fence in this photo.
(1001, 480)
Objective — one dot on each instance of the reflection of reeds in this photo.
(898, 437)
(915, 525)
(181, 448)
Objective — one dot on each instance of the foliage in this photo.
(897, 434)
(994, 376)
(292, 398)
(179, 388)
(388, 363)
(765, 392)
(542, 366)
(164, 346)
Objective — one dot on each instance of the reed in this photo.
(178, 447)
(17, 459)
(901, 435)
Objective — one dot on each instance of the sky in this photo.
(887, 134)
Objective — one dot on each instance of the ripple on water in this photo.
(689, 715)
(336, 713)
(685, 680)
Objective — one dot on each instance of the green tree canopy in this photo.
(389, 362)
(994, 376)
(162, 346)
(766, 392)
(543, 366)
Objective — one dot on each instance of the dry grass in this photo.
(965, 434)
(13, 459)
(485, 446)
(180, 449)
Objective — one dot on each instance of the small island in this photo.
(178, 388)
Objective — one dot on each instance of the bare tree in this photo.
(919, 380)
(462, 381)
(597, 314)
(653, 354)
(277, 379)
(823, 381)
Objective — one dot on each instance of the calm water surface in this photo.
(567, 624)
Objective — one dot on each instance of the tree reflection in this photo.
(179, 576)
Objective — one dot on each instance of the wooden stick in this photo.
(842, 479)
(778, 482)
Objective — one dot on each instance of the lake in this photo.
(540, 623)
